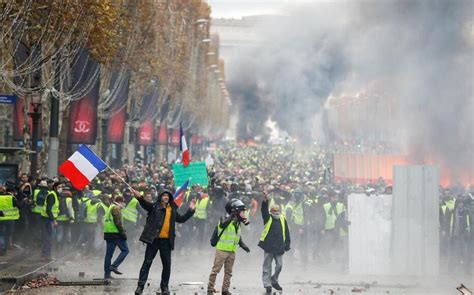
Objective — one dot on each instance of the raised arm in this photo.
(264, 210)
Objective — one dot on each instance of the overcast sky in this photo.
(239, 8)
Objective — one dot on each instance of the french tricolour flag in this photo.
(82, 167)
(179, 194)
(184, 148)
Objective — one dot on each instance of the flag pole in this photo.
(110, 168)
(120, 177)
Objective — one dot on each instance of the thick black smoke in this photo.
(420, 51)
(253, 112)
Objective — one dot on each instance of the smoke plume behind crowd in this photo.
(418, 52)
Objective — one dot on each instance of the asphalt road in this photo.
(190, 271)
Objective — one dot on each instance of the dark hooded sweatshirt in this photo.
(156, 216)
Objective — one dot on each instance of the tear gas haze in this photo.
(420, 53)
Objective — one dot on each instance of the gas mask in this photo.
(241, 217)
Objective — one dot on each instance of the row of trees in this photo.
(162, 47)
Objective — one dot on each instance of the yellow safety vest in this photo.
(54, 209)
(6, 206)
(269, 224)
(64, 217)
(230, 238)
(91, 216)
(37, 208)
(330, 217)
(451, 224)
(298, 216)
(130, 212)
(284, 208)
(201, 208)
(109, 224)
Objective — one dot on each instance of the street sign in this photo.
(7, 99)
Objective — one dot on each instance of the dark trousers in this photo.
(76, 229)
(6, 232)
(201, 232)
(111, 245)
(37, 228)
(163, 245)
(87, 237)
(64, 233)
(48, 237)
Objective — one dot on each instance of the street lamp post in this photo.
(35, 117)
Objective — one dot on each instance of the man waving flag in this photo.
(184, 148)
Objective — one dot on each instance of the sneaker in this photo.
(139, 290)
(165, 291)
(211, 292)
(115, 270)
(277, 286)
(226, 293)
(268, 290)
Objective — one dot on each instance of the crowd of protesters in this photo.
(53, 215)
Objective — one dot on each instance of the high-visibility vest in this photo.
(450, 204)
(130, 212)
(284, 208)
(201, 208)
(54, 209)
(230, 238)
(63, 216)
(91, 216)
(269, 224)
(443, 208)
(298, 216)
(109, 225)
(104, 206)
(6, 206)
(330, 217)
(96, 192)
(451, 224)
(186, 196)
(38, 208)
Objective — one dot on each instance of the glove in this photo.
(246, 249)
(124, 236)
(287, 248)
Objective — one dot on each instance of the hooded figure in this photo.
(159, 234)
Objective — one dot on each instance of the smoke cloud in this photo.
(419, 52)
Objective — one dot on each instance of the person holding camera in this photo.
(226, 238)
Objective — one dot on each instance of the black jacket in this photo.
(156, 216)
(274, 243)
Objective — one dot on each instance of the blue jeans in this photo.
(111, 245)
(48, 237)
